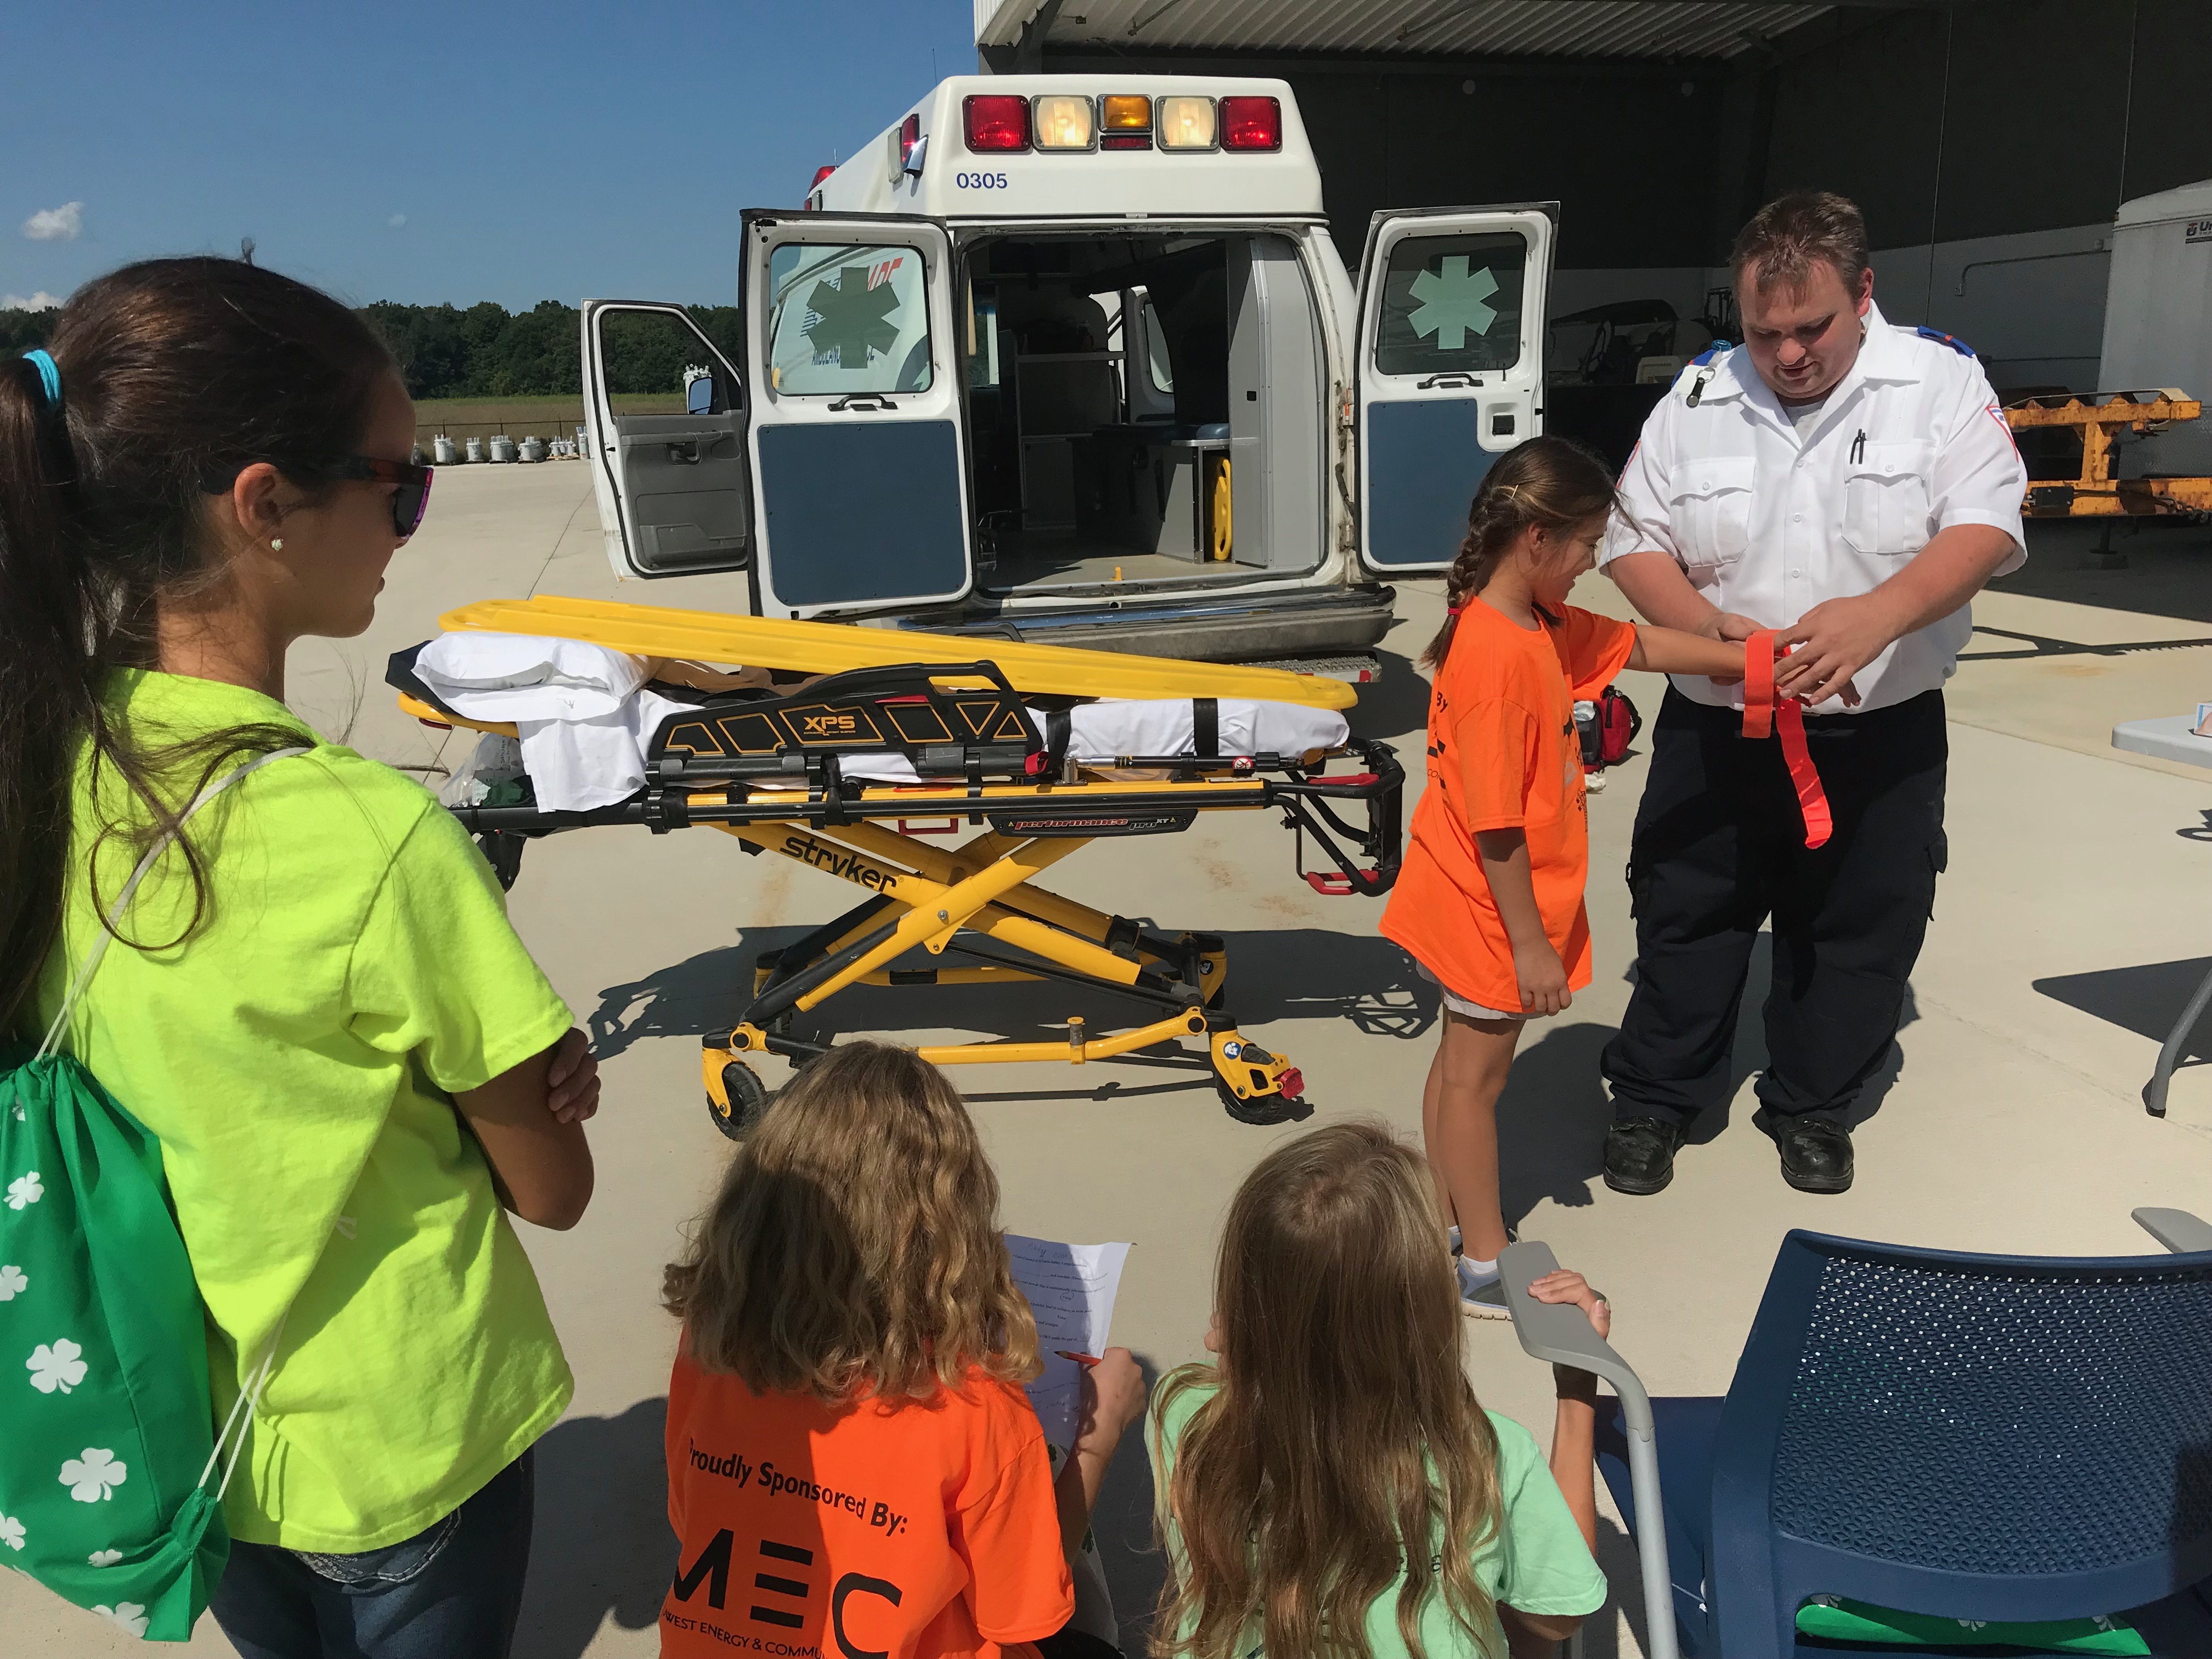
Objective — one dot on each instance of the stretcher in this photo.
(775, 767)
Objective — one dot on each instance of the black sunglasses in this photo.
(409, 502)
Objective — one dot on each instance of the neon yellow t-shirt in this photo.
(1537, 1562)
(295, 1058)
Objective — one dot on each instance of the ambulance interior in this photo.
(1142, 410)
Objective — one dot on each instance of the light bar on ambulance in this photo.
(1063, 122)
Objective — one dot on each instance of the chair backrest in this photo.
(1978, 1436)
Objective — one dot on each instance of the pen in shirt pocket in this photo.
(1858, 447)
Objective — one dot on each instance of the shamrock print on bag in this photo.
(25, 1189)
(127, 1615)
(60, 1366)
(11, 1532)
(89, 1475)
(14, 1281)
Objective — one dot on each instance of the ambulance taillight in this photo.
(1249, 123)
(996, 121)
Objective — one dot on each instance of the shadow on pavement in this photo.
(1304, 973)
(2146, 1000)
(2164, 575)
(601, 1546)
(1397, 706)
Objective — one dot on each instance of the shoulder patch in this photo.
(1718, 348)
(1942, 338)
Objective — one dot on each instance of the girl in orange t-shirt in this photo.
(853, 1466)
(1490, 898)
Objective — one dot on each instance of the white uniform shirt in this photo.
(1768, 519)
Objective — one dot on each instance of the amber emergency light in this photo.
(1125, 121)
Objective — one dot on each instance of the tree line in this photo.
(484, 350)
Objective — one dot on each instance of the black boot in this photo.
(1640, 1154)
(1816, 1154)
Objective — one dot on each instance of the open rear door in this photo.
(859, 455)
(665, 422)
(1451, 369)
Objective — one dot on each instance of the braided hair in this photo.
(1549, 484)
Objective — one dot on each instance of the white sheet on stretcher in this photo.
(580, 709)
(585, 720)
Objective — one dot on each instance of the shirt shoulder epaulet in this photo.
(1942, 338)
(1711, 354)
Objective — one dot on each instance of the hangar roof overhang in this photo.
(1424, 28)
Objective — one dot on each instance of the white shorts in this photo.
(1460, 1006)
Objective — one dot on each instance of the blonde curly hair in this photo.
(854, 1249)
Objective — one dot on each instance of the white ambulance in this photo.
(1073, 359)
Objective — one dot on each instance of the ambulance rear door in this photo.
(857, 440)
(1451, 369)
(663, 430)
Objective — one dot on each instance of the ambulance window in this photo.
(845, 319)
(653, 364)
(1451, 302)
(1156, 350)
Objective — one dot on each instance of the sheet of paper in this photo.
(1071, 1288)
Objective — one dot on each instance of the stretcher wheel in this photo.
(1257, 1109)
(747, 1096)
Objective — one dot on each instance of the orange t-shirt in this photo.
(1503, 754)
(926, 1529)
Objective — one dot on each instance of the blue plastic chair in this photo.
(1980, 1436)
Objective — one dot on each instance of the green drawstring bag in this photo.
(108, 1450)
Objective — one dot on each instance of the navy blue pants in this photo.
(453, 1589)
(1719, 850)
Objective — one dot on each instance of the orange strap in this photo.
(1762, 711)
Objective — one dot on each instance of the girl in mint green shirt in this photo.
(352, 1065)
(1329, 1488)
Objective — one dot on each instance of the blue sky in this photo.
(476, 151)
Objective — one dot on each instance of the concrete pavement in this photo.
(2069, 927)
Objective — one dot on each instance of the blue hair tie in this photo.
(50, 376)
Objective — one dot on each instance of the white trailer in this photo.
(1073, 359)
(2158, 318)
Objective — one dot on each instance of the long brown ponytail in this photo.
(1550, 483)
(174, 374)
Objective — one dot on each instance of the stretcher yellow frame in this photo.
(971, 900)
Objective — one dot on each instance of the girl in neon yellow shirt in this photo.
(351, 1063)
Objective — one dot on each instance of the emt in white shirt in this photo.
(1850, 484)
